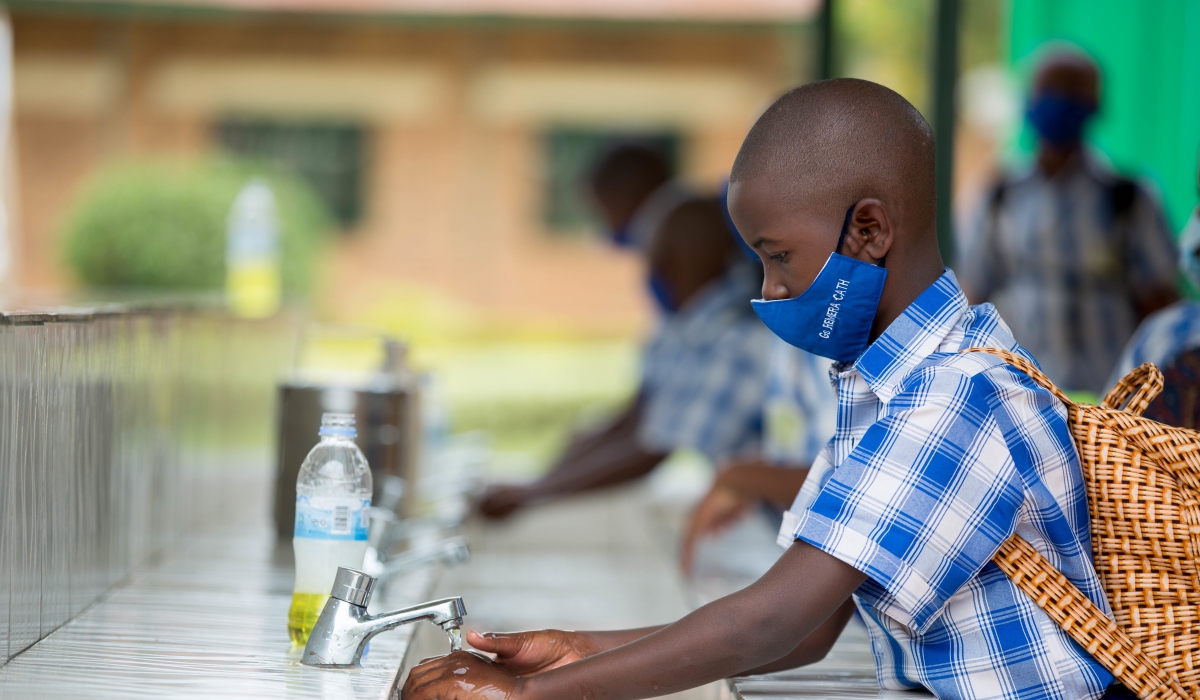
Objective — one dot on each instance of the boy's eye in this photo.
(778, 257)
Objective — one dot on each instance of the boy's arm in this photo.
(736, 489)
(531, 653)
(605, 458)
(762, 481)
(742, 632)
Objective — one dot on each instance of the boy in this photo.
(938, 456)
(632, 190)
(703, 374)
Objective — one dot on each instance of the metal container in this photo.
(387, 417)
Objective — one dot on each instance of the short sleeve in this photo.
(1153, 258)
(923, 501)
(710, 398)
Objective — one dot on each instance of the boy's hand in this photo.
(499, 502)
(721, 507)
(460, 676)
(531, 653)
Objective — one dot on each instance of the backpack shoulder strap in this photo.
(1136, 390)
(1027, 367)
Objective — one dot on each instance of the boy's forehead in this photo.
(762, 204)
(756, 199)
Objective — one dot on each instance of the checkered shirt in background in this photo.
(1162, 337)
(1063, 273)
(704, 373)
(938, 457)
(801, 408)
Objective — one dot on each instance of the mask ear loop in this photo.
(846, 229)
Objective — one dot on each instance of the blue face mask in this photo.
(833, 317)
(661, 290)
(1059, 119)
(621, 237)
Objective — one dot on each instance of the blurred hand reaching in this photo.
(721, 507)
(501, 501)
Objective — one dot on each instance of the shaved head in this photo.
(829, 144)
(692, 246)
(623, 178)
(842, 166)
(695, 235)
(1068, 72)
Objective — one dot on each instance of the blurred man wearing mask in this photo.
(703, 374)
(1170, 338)
(1072, 254)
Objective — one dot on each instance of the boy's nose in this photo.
(773, 290)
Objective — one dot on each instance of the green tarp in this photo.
(1149, 52)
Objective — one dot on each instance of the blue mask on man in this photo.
(833, 317)
(1059, 119)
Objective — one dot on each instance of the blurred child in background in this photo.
(704, 370)
(799, 416)
(1170, 338)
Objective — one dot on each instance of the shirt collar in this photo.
(913, 336)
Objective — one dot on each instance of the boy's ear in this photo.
(870, 234)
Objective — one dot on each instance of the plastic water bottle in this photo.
(252, 274)
(333, 498)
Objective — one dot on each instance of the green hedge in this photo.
(161, 225)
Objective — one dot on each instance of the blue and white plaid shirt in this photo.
(704, 374)
(1162, 337)
(938, 457)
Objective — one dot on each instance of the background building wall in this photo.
(455, 114)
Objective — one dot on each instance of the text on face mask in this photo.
(839, 293)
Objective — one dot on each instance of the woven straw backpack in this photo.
(1143, 480)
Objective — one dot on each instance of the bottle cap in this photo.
(337, 425)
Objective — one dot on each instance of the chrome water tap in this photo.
(344, 627)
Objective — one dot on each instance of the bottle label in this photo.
(331, 518)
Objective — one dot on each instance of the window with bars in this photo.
(329, 155)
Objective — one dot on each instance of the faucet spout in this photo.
(344, 627)
(447, 612)
(452, 550)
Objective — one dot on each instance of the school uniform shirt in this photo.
(938, 457)
(704, 373)
(1163, 336)
(801, 409)
(1063, 259)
